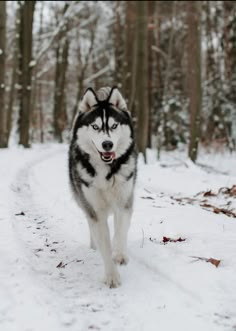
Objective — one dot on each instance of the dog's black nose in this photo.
(107, 145)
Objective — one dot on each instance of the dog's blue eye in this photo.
(114, 126)
(95, 127)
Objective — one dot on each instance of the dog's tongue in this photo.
(108, 156)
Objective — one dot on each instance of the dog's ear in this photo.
(116, 99)
(88, 100)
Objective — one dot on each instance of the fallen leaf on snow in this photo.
(233, 191)
(214, 261)
(206, 205)
(230, 191)
(209, 194)
(224, 211)
(217, 210)
(211, 260)
(166, 240)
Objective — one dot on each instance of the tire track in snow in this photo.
(26, 309)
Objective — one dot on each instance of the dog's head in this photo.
(103, 126)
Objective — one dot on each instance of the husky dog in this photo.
(102, 170)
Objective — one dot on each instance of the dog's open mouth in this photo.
(107, 157)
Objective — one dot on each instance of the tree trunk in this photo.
(59, 112)
(130, 54)
(2, 73)
(151, 65)
(25, 66)
(40, 88)
(229, 41)
(165, 115)
(210, 71)
(142, 75)
(118, 46)
(194, 75)
(15, 64)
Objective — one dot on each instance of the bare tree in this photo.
(130, 54)
(83, 65)
(142, 75)
(2, 73)
(40, 106)
(62, 50)
(119, 44)
(194, 75)
(25, 67)
(13, 79)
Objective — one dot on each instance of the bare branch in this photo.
(56, 32)
(158, 50)
(97, 74)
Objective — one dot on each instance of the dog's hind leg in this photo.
(122, 219)
(101, 236)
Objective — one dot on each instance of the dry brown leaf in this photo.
(217, 210)
(167, 239)
(230, 191)
(215, 262)
(233, 191)
(209, 194)
(206, 205)
(224, 211)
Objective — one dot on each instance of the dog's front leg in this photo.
(122, 219)
(92, 241)
(101, 235)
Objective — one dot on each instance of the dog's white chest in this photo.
(109, 193)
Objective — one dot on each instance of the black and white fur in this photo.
(102, 169)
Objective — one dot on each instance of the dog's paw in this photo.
(112, 280)
(121, 258)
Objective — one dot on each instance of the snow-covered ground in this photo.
(51, 280)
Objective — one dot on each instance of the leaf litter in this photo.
(226, 192)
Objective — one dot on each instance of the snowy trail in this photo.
(160, 289)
